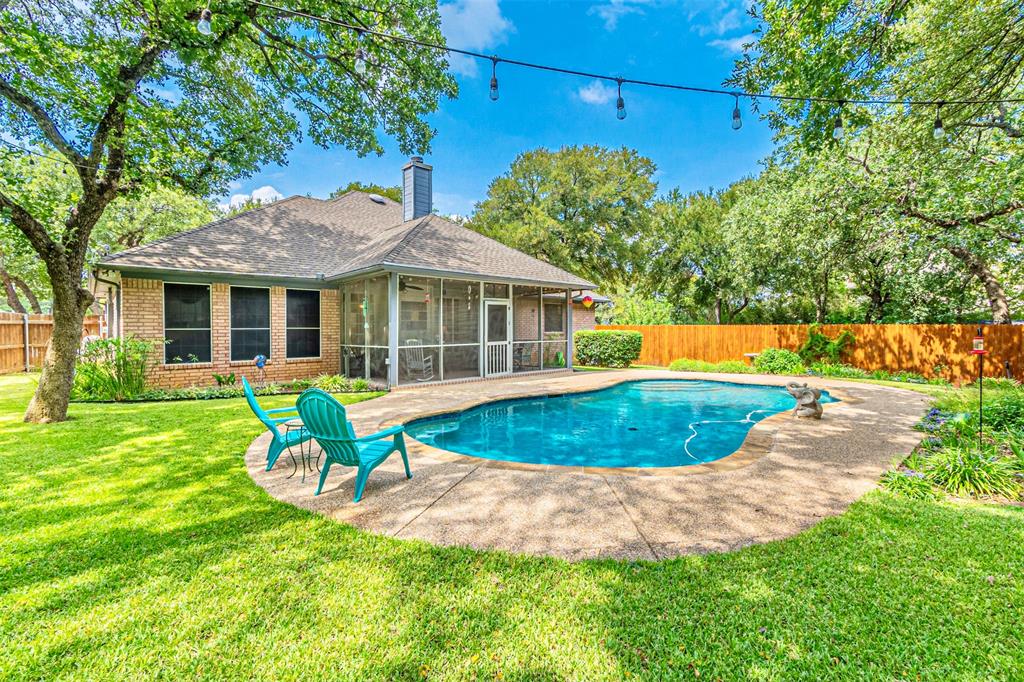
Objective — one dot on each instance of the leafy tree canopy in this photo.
(583, 209)
(393, 192)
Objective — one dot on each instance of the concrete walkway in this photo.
(790, 474)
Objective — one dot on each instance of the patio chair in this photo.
(418, 361)
(325, 419)
(279, 441)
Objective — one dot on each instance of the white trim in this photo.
(319, 329)
(165, 328)
(269, 329)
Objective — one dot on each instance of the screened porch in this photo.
(403, 329)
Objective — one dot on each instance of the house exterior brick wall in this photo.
(583, 318)
(142, 316)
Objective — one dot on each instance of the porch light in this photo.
(203, 25)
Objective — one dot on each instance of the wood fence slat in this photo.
(40, 328)
(927, 349)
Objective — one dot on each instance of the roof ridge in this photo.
(401, 242)
(194, 230)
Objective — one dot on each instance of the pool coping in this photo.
(759, 441)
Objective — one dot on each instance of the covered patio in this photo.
(408, 329)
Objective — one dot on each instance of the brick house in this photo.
(357, 285)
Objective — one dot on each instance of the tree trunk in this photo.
(30, 296)
(50, 402)
(998, 303)
(12, 295)
(718, 310)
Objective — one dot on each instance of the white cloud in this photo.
(263, 195)
(596, 92)
(611, 12)
(476, 25)
(733, 45)
(719, 21)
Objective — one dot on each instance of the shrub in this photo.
(837, 370)
(820, 347)
(779, 361)
(1006, 412)
(332, 383)
(963, 471)
(909, 483)
(225, 379)
(724, 367)
(360, 385)
(112, 369)
(607, 348)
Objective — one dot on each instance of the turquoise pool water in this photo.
(635, 424)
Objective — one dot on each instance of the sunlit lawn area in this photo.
(134, 545)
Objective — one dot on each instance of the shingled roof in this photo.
(306, 238)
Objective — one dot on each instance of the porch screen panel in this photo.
(554, 329)
(187, 318)
(460, 334)
(419, 329)
(364, 349)
(526, 325)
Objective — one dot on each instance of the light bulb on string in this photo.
(620, 104)
(938, 131)
(204, 24)
(737, 122)
(837, 128)
(360, 64)
(494, 79)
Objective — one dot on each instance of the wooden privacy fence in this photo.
(928, 349)
(24, 345)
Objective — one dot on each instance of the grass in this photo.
(134, 545)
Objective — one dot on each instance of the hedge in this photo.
(607, 348)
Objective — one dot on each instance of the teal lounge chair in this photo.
(325, 418)
(280, 441)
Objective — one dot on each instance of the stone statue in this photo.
(808, 400)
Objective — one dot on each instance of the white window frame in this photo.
(319, 330)
(232, 328)
(165, 328)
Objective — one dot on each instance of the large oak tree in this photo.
(132, 96)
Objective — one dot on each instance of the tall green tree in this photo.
(583, 209)
(958, 188)
(132, 96)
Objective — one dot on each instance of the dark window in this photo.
(554, 317)
(303, 323)
(250, 323)
(187, 323)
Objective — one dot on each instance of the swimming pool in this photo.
(649, 423)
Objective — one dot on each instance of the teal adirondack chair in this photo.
(325, 418)
(280, 441)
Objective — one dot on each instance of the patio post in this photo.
(393, 329)
(568, 328)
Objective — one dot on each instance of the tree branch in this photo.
(977, 219)
(42, 119)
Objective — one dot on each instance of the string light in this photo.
(494, 79)
(203, 25)
(620, 104)
(837, 129)
(938, 132)
(360, 64)
(737, 122)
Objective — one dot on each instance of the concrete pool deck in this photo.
(789, 475)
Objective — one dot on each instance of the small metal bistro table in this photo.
(305, 449)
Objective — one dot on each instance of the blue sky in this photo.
(687, 135)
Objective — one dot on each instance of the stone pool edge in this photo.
(758, 443)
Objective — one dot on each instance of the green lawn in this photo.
(134, 545)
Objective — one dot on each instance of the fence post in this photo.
(28, 351)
